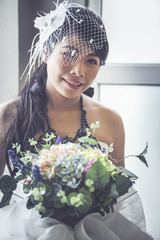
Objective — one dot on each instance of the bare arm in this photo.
(7, 114)
(118, 140)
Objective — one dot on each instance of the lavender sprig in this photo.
(58, 140)
(18, 163)
(37, 175)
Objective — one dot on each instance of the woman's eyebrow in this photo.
(92, 55)
(71, 48)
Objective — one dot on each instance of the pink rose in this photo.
(91, 161)
(43, 155)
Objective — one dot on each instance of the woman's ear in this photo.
(45, 54)
(45, 57)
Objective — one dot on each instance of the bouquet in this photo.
(68, 181)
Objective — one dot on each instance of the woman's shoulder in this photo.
(8, 107)
(8, 111)
(111, 126)
(101, 112)
(7, 114)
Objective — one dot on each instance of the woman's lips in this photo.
(72, 83)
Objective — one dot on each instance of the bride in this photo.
(72, 45)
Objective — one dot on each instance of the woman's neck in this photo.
(57, 102)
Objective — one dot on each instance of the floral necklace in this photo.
(80, 132)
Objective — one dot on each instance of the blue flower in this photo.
(58, 140)
(103, 150)
(36, 175)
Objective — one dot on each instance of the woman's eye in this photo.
(67, 54)
(92, 61)
(70, 56)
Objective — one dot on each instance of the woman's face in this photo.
(70, 73)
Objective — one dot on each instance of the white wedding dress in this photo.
(127, 222)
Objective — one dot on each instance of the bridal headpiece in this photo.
(77, 30)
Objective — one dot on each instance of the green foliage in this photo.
(7, 186)
(57, 203)
(85, 207)
(31, 202)
(99, 174)
(127, 173)
(141, 155)
(26, 188)
(5, 199)
(88, 140)
(20, 177)
(123, 184)
(48, 138)
(18, 148)
(113, 191)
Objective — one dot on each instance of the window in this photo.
(130, 84)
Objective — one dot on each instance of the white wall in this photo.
(139, 109)
(133, 28)
(9, 71)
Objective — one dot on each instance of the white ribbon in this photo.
(19, 223)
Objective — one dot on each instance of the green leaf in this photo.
(61, 213)
(7, 184)
(47, 202)
(143, 159)
(141, 155)
(75, 185)
(123, 184)
(113, 191)
(72, 211)
(145, 150)
(58, 203)
(86, 206)
(83, 139)
(49, 190)
(92, 141)
(26, 188)
(72, 194)
(31, 202)
(126, 172)
(56, 188)
(6, 199)
(42, 188)
(86, 139)
(85, 191)
(99, 174)
(20, 177)
(46, 146)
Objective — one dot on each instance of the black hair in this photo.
(31, 112)
(32, 116)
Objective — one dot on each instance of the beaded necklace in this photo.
(80, 132)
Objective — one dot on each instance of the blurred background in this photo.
(129, 83)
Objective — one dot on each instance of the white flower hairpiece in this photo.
(50, 22)
(46, 24)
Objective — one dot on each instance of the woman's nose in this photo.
(78, 69)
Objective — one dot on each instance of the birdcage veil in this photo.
(76, 29)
